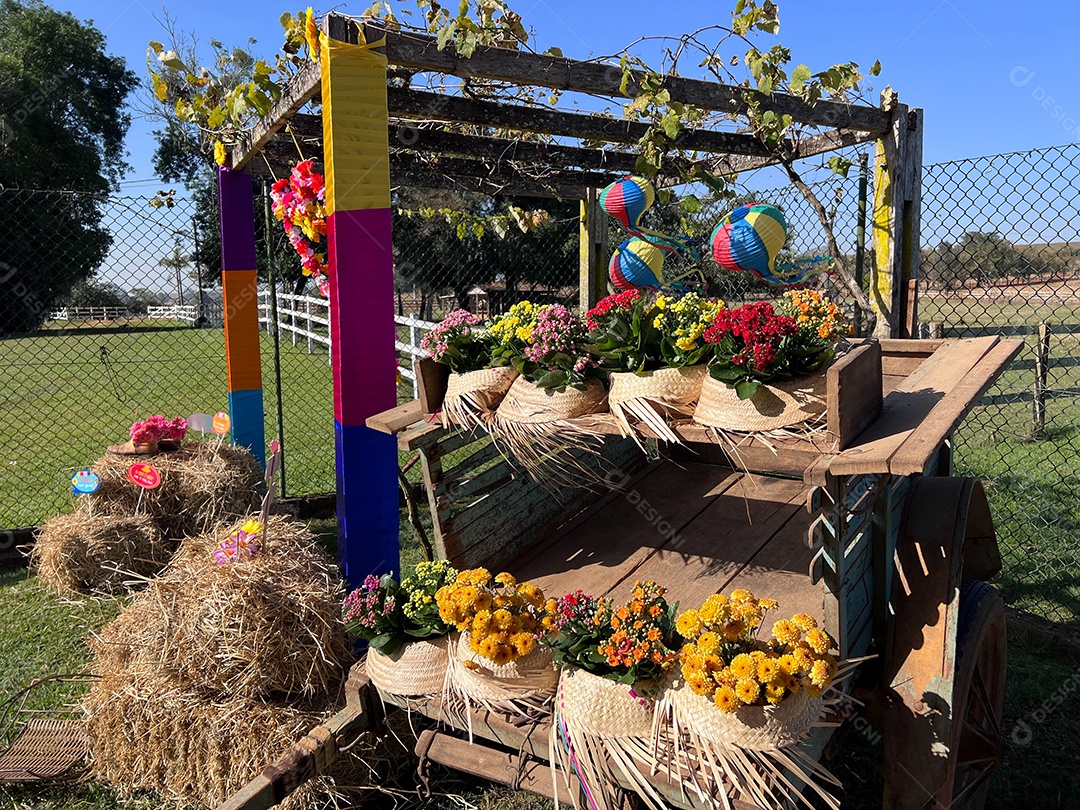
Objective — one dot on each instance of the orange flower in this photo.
(623, 612)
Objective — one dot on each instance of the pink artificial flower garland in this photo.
(299, 203)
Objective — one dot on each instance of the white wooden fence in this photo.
(189, 313)
(87, 313)
(305, 319)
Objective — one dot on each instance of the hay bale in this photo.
(148, 733)
(266, 627)
(83, 553)
(269, 626)
(200, 487)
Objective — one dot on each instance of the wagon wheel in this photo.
(979, 696)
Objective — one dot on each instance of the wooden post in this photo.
(239, 282)
(361, 278)
(896, 224)
(1038, 398)
(593, 251)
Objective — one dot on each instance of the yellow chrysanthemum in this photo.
(804, 621)
(768, 670)
(768, 604)
(819, 674)
(219, 153)
(311, 34)
(503, 654)
(726, 700)
(708, 642)
(733, 631)
(786, 632)
(689, 624)
(775, 693)
(804, 659)
(787, 663)
(715, 609)
(524, 643)
(501, 618)
(742, 666)
(819, 641)
(748, 690)
(742, 595)
(506, 579)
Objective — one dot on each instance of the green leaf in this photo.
(553, 51)
(170, 59)
(446, 35)
(875, 69)
(156, 47)
(746, 388)
(690, 204)
(799, 77)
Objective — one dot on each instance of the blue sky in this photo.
(992, 76)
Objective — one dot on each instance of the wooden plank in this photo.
(781, 569)
(890, 382)
(902, 365)
(615, 541)
(898, 346)
(482, 483)
(713, 548)
(420, 104)
(917, 449)
(404, 163)
(301, 88)
(853, 392)
(494, 188)
(819, 144)
(431, 380)
(478, 457)
(395, 420)
(407, 49)
(908, 405)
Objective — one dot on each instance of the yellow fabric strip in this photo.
(355, 117)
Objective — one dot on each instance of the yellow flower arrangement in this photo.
(682, 321)
(504, 618)
(727, 662)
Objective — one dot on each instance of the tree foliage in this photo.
(62, 126)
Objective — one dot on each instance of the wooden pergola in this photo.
(376, 133)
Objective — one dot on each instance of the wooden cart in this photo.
(866, 530)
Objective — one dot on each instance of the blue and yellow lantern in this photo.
(627, 200)
(637, 263)
(751, 237)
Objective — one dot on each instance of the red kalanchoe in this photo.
(618, 301)
(757, 329)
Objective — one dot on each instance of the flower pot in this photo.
(655, 397)
(530, 678)
(472, 397)
(748, 728)
(602, 707)
(129, 448)
(527, 403)
(773, 406)
(416, 668)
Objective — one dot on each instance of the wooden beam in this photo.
(466, 167)
(522, 188)
(301, 88)
(593, 251)
(424, 105)
(819, 144)
(502, 64)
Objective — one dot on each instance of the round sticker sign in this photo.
(85, 482)
(144, 475)
(221, 423)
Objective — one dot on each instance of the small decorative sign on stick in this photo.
(86, 482)
(221, 425)
(202, 422)
(273, 464)
(145, 476)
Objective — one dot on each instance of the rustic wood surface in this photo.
(853, 393)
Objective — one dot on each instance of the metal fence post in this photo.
(1038, 398)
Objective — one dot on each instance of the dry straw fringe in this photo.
(601, 726)
(549, 435)
(523, 688)
(755, 754)
(471, 398)
(654, 398)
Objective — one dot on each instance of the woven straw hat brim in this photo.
(527, 403)
(750, 728)
(417, 668)
(773, 406)
(679, 388)
(530, 676)
(603, 707)
(472, 397)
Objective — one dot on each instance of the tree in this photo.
(177, 261)
(92, 294)
(62, 122)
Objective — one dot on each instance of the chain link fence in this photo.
(103, 319)
(1001, 255)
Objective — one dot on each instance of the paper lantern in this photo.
(637, 263)
(627, 200)
(749, 239)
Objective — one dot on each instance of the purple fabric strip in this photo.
(237, 220)
(362, 314)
